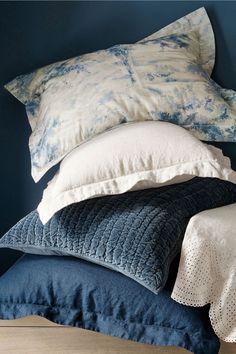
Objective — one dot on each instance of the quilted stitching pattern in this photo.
(137, 233)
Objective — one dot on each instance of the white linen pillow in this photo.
(131, 157)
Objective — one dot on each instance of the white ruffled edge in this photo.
(52, 203)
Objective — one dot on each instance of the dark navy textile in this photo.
(136, 233)
(75, 292)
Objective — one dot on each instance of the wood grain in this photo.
(30, 321)
(36, 335)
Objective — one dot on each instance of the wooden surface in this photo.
(36, 335)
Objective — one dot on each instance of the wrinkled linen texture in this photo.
(132, 157)
(207, 270)
(136, 233)
(164, 77)
(74, 292)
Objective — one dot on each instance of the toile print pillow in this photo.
(164, 77)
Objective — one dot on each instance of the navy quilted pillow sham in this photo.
(136, 233)
(74, 292)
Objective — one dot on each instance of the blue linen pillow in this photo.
(74, 292)
(136, 233)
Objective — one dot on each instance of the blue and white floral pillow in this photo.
(163, 77)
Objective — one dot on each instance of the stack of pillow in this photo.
(124, 123)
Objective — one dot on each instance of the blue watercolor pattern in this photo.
(172, 41)
(164, 77)
(45, 146)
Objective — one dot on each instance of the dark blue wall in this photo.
(33, 34)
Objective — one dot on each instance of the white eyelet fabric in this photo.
(207, 270)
